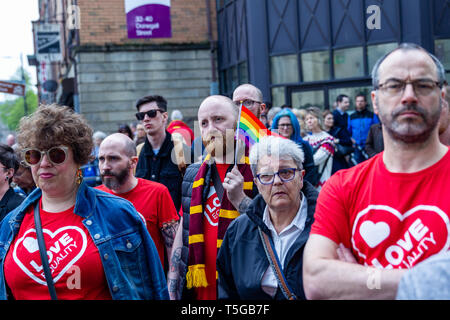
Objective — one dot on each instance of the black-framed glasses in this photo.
(285, 125)
(422, 87)
(285, 175)
(246, 103)
(56, 155)
(150, 113)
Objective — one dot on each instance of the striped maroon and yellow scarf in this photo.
(196, 275)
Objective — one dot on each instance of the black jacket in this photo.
(374, 142)
(242, 261)
(9, 202)
(161, 168)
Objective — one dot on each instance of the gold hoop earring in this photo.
(79, 177)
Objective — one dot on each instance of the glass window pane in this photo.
(375, 52)
(284, 69)
(305, 99)
(348, 63)
(233, 79)
(351, 93)
(442, 51)
(223, 82)
(278, 98)
(243, 72)
(316, 66)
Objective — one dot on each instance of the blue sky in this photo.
(16, 37)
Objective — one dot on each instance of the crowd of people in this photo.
(328, 206)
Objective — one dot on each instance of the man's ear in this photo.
(263, 107)
(134, 161)
(373, 96)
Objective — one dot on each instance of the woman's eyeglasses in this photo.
(150, 113)
(285, 175)
(56, 155)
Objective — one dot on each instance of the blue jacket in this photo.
(359, 124)
(132, 271)
(311, 174)
(242, 261)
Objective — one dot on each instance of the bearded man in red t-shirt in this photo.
(377, 219)
(117, 161)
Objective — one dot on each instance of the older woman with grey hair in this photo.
(282, 213)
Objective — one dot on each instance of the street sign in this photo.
(148, 18)
(12, 88)
(48, 41)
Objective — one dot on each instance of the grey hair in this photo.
(275, 146)
(273, 112)
(99, 135)
(408, 46)
(176, 115)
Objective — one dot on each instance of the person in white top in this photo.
(322, 143)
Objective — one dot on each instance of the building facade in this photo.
(105, 72)
(307, 52)
(298, 52)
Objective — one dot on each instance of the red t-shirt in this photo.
(389, 220)
(73, 258)
(210, 223)
(153, 201)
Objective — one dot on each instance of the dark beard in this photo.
(430, 121)
(118, 179)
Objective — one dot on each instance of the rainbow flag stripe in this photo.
(251, 129)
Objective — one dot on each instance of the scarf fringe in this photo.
(196, 276)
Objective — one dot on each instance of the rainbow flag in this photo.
(250, 128)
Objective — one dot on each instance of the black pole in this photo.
(25, 106)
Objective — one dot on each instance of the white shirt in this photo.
(283, 242)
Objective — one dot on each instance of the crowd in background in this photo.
(311, 210)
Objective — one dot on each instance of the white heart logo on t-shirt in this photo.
(31, 244)
(374, 233)
(65, 247)
(387, 238)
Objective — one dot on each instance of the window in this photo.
(348, 63)
(243, 72)
(351, 93)
(375, 52)
(442, 51)
(232, 78)
(278, 98)
(316, 66)
(284, 69)
(306, 99)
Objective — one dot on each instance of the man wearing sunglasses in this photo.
(389, 213)
(155, 158)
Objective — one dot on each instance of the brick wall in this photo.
(104, 22)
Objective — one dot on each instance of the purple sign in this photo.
(148, 18)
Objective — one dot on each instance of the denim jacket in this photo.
(129, 256)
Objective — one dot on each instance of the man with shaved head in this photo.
(117, 161)
(206, 203)
(251, 97)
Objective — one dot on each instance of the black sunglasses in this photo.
(150, 113)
